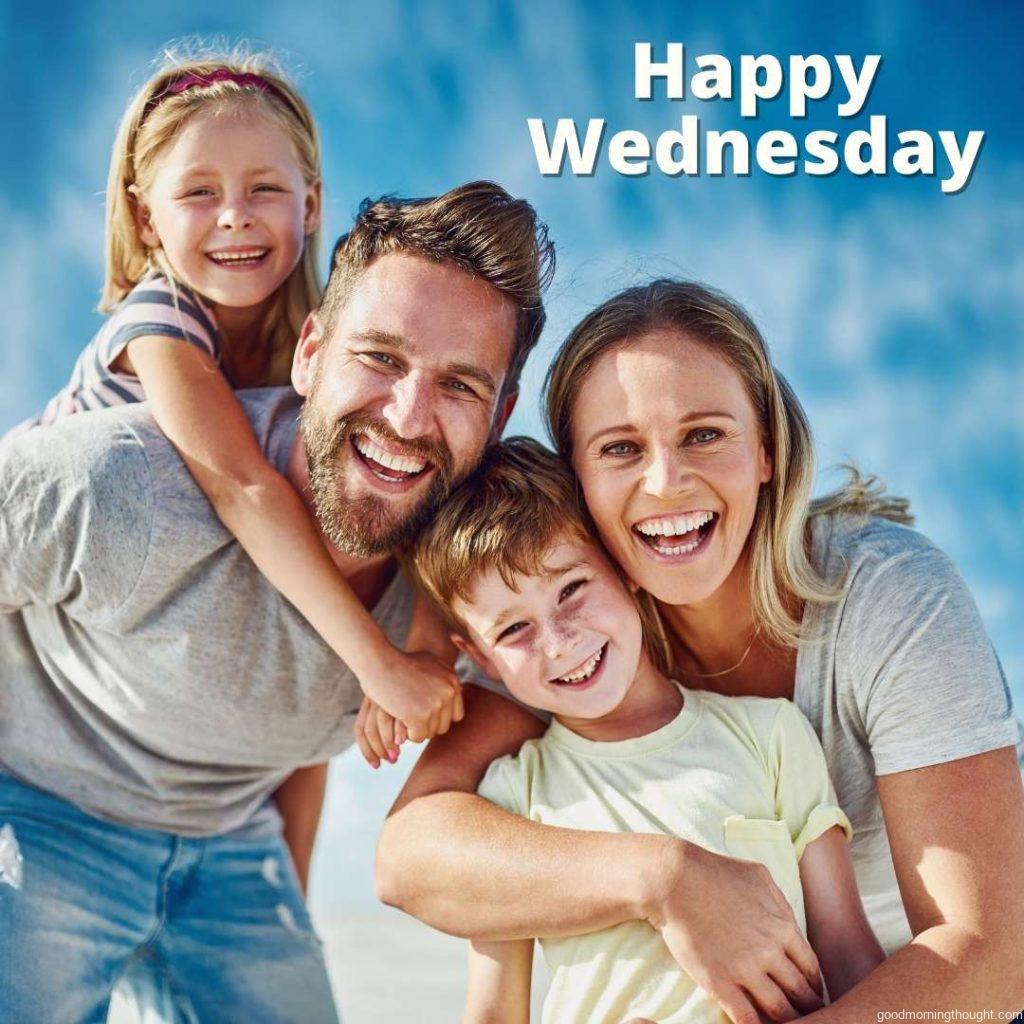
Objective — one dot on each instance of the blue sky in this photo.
(894, 310)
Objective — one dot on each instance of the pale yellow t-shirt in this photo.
(743, 776)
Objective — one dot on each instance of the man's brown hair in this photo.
(478, 228)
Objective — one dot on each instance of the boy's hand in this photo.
(418, 689)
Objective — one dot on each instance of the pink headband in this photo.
(193, 81)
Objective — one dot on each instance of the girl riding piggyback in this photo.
(213, 216)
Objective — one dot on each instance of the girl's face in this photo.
(668, 450)
(229, 207)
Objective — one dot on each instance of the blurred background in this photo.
(895, 310)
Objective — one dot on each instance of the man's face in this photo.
(402, 398)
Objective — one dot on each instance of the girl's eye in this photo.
(510, 631)
(618, 448)
(569, 589)
(268, 188)
(704, 435)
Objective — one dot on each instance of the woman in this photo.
(695, 460)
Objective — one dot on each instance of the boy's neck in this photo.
(651, 702)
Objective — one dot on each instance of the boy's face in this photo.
(568, 641)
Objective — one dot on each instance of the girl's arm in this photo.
(498, 990)
(956, 831)
(193, 404)
(837, 926)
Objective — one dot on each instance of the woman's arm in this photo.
(498, 990)
(470, 868)
(957, 836)
(195, 407)
(837, 926)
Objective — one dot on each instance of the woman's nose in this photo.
(665, 475)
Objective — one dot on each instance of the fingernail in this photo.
(393, 754)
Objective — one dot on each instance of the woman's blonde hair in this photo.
(154, 116)
(781, 569)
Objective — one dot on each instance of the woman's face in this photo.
(668, 451)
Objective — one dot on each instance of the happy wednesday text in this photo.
(691, 151)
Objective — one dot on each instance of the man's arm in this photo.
(498, 989)
(300, 799)
(837, 926)
(957, 836)
(472, 869)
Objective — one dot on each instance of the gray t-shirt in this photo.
(898, 674)
(149, 673)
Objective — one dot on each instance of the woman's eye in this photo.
(569, 589)
(510, 631)
(618, 448)
(704, 435)
(197, 192)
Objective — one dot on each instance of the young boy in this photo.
(538, 604)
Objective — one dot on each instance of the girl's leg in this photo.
(83, 904)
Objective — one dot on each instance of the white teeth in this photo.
(585, 671)
(399, 463)
(676, 526)
(240, 256)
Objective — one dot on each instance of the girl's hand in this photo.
(417, 689)
(377, 734)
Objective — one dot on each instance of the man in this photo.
(155, 689)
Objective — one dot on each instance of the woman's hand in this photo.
(731, 929)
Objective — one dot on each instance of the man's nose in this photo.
(410, 408)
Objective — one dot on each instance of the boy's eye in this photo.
(569, 589)
(510, 631)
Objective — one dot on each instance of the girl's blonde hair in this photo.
(781, 569)
(152, 119)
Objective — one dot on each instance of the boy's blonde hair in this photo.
(477, 227)
(152, 119)
(507, 516)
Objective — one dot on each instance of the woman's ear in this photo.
(468, 648)
(143, 218)
(308, 350)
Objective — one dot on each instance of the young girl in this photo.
(213, 215)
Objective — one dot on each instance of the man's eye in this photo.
(460, 387)
(383, 358)
(510, 630)
(569, 589)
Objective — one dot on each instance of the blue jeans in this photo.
(221, 921)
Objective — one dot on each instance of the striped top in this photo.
(150, 308)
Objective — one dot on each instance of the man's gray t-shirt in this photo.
(149, 673)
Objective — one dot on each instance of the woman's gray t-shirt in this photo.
(899, 674)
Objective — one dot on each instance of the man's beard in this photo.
(367, 526)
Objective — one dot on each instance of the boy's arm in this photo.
(300, 799)
(498, 990)
(470, 868)
(837, 926)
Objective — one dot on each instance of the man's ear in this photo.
(307, 353)
(474, 653)
(142, 217)
(508, 403)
